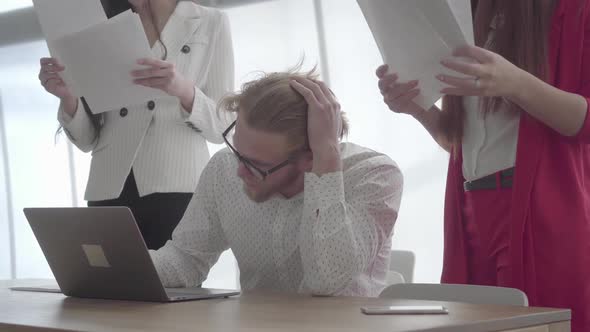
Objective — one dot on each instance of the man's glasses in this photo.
(258, 173)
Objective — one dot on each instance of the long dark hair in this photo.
(113, 8)
(521, 37)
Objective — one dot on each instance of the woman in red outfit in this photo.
(517, 209)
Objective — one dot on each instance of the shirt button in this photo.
(186, 49)
(151, 105)
(123, 112)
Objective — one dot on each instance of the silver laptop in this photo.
(98, 252)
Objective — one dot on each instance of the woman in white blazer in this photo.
(149, 157)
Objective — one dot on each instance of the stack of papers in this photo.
(413, 36)
(99, 54)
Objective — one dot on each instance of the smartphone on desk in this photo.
(405, 310)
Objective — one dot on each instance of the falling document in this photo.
(99, 55)
(413, 36)
(50, 14)
(100, 64)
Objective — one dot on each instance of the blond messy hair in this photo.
(271, 105)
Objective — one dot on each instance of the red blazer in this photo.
(550, 216)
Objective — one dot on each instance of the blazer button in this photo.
(123, 112)
(186, 49)
(151, 105)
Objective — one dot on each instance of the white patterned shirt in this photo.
(334, 238)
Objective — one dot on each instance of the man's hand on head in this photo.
(324, 125)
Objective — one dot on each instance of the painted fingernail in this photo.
(440, 77)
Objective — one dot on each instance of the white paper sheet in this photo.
(100, 60)
(451, 19)
(410, 41)
(59, 18)
(462, 11)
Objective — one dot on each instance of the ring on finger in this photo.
(477, 83)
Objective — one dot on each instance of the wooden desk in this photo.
(258, 311)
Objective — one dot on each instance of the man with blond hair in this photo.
(302, 211)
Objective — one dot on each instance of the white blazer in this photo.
(164, 145)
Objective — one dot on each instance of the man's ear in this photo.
(305, 161)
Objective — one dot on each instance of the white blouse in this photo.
(489, 140)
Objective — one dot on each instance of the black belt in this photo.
(490, 181)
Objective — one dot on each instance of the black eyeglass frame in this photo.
(263, 174)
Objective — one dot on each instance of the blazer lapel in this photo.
(181, 26)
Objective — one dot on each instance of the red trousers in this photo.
(486, 221)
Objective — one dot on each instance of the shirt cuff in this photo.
(63, 117)
(324, 206)
(324, 191)
(185, 115)
(163, 268)
(200, 105)
(77, 125)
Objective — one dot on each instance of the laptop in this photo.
(98, 252)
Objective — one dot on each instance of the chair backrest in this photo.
(394, 277)
(457, 293)
(403, 261)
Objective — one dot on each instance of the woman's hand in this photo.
(54, 84)
(160, 75)
(398, 96)
(496, 77)
(50, 79)
(163, 75)
(490, 74)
